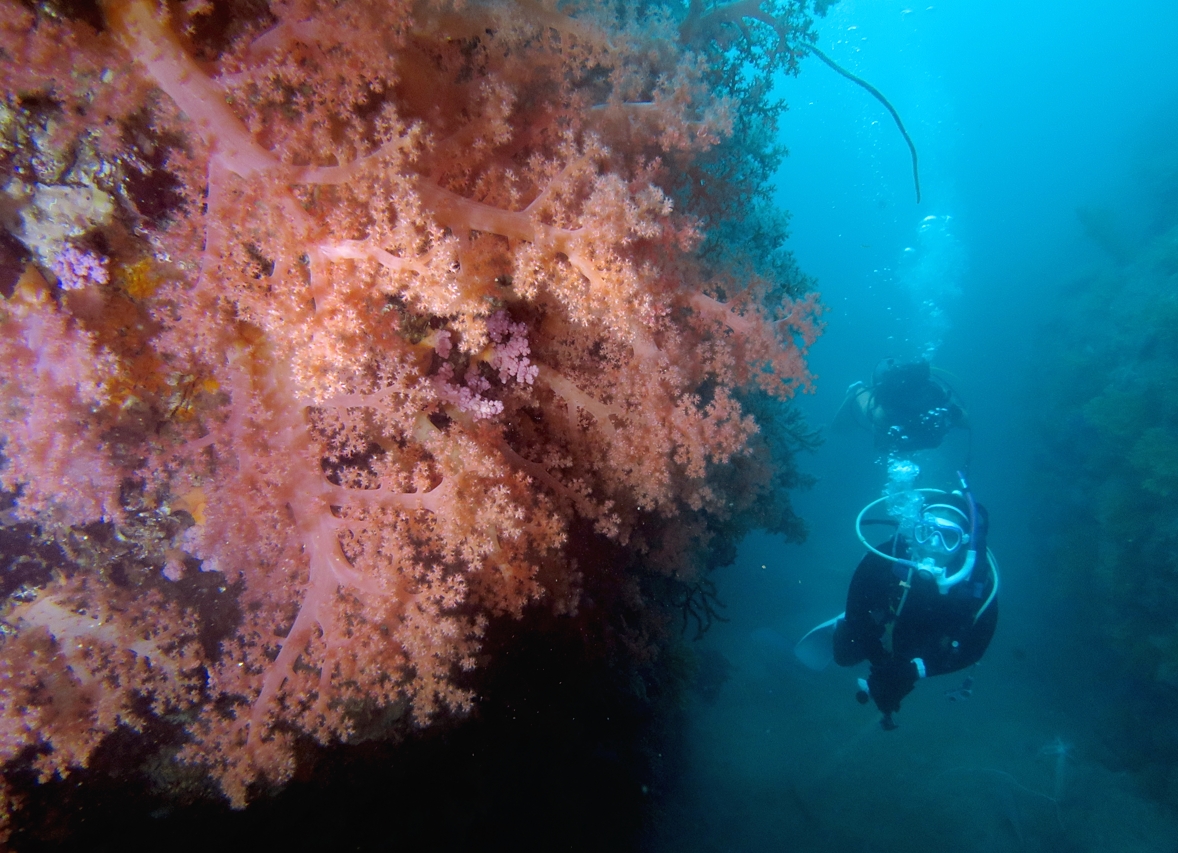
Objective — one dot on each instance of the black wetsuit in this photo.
(941, 630)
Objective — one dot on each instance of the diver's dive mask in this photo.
(935, 532)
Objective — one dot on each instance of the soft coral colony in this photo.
(358, 308)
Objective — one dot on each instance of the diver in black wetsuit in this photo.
(906, 406)
(923, 603)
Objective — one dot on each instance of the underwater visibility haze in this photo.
(1038, 274)
(424, 424)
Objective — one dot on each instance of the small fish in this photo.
(961, 693)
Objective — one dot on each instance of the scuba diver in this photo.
(921, 603)
(906, 406)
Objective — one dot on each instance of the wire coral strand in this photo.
(878, 96)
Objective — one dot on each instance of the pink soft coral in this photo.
(374, 199)
(56, 378)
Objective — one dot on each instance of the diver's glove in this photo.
(891, 681)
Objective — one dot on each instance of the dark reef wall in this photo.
(1108, 480)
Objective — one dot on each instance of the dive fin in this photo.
(851, 413)
(816, 649)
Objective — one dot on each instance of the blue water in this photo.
(1022, 113)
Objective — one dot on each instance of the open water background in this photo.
(1022, 113)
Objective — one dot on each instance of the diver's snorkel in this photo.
(944, 584)
(977, 545)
